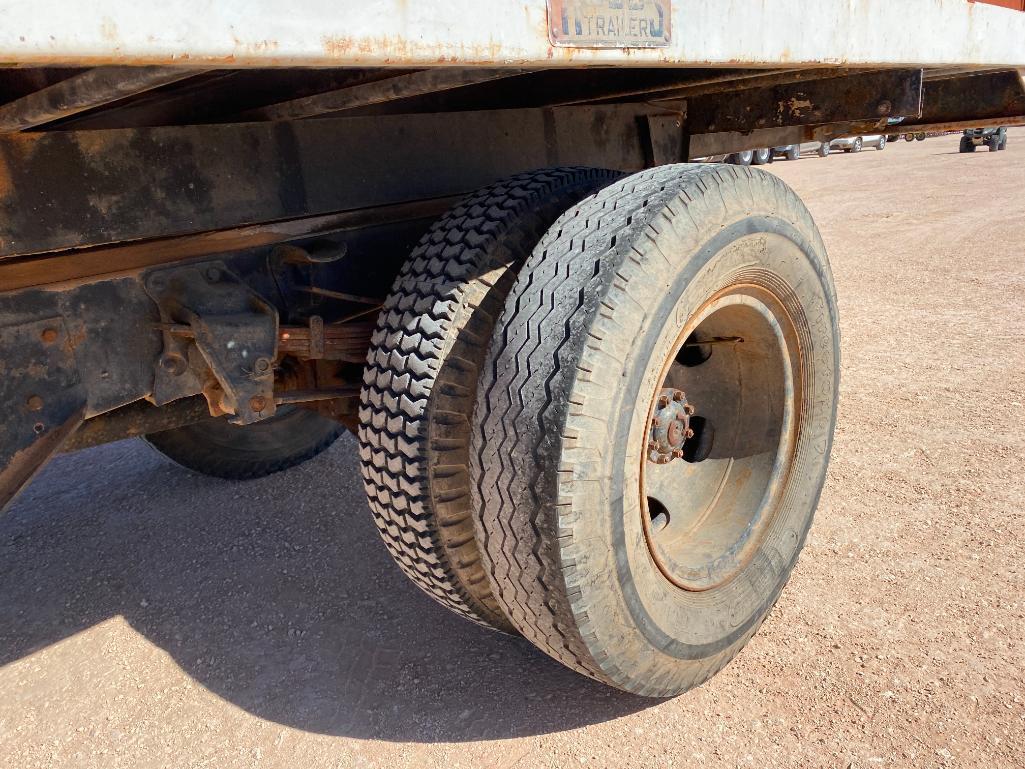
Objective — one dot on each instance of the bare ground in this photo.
(151, 617)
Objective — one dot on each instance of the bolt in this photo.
(34, 403)
(884, 108)
(689, 433)
(49, 335)
(678, 395)
(262, 365)
(257, 403)
(38, 428)
(173, 364)
(689, 409)
(663, 401)
(213, 274)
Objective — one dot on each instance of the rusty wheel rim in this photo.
(731, 388)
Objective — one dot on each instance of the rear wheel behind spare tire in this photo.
(421, 378)
(654, 423)
(216, 447)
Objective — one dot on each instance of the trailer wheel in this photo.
(654, 422)
(993, 142)
(761, 157)
(823, 150)
(967, 145)
(794, 152)
(744, 158)
(223, 450)
(421, 378)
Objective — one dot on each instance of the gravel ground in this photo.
(152, 617)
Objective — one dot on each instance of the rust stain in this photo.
(6, 185)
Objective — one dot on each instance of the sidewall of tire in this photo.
(653, 637)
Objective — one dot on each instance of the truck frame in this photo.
(594, 384)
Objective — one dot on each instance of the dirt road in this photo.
(151, 617)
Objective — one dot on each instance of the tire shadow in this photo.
(275, 594)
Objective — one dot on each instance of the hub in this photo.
(670, 427)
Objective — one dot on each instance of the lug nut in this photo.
(689, 409)
(262, 365)
(689, 433)
(677, 453)
(678, 395)
(663, 401)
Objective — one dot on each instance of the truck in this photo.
(593, 384)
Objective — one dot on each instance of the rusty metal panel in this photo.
(72, 189)
(610, 23)
(42, 399)
(874, 96)
(1018, 5)
(431, 33)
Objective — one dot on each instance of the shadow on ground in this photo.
(275, 594)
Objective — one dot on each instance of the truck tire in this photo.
(220, 449)
(967, 145)
(744, 158)
(645, 568)
(993, 142)
(421, 379)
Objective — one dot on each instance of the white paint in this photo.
(254, 33)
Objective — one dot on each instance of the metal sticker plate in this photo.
(610, 23)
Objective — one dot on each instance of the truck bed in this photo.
(324, 33)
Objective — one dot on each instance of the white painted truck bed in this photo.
(333, 33)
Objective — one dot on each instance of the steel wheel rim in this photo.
(704, 515)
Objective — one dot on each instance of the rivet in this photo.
(173, 364)
(34, 403)
(262, 365)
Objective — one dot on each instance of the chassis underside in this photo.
(148, 214)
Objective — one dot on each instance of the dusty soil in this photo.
(151, 617)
